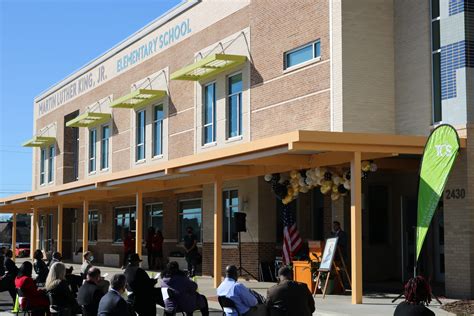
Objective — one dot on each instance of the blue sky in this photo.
(41, 42)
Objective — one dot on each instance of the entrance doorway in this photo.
(407, 230)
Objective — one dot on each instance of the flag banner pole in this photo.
(439, 155)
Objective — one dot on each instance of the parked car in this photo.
(22, 250)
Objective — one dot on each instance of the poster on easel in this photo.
(328, 254)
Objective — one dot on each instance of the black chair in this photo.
(226, 302)
(56, 310)
(27, 310)
(172, 294)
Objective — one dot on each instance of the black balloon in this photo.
(275, 178)
(341, 189)
(365, 175)
(348, 175)
(281, 190)
(327, 175)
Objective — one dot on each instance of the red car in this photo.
(22, 250)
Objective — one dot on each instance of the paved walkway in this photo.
(332, 305)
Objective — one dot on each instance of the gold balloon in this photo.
(294, 173)
(335, 196)
(325, 189)
(290, 191)
(329, 183)
(335, 189)
(365, 165)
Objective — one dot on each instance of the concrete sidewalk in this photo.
(332, 305)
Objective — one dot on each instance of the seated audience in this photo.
(183, 296)
(32, 297)
(61, 298)
(56, 257)
(41, 269)
(113, 303)
(417, 295)
(244, 299)
(7, 281)
(289, 296)
(89, 294)
(143, 296)
(87, 264)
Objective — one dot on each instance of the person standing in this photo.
(341, 238)
(149, 247)
(289, 296)
(89, 294)
(190, 246)
(157, 246)
(2, 259)
(112, 303)
(128, 247)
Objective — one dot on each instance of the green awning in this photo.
(138, 98)
(89, 119)
(39, 141)
(208, 67)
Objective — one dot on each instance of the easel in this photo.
(328, 274)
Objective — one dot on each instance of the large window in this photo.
(190, 214)
(93, 223)
(436, 60)
(51, 163)
(234, 106)
(42, 165)
(124, 222)
(302, 54)
(140, 147)
(153, 218)
(92, 149)
(231, 206)
(379, 200)
(158, 130)
(209, 115)
(104, 147)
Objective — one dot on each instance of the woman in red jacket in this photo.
(34, 298)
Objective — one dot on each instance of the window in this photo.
(209, 114)
(42, 165)
(140, 151)
(124, 222)
(378, 214)
(302, 54)
(92, 149)
(190, 214)
(51, 164)
(93, 223)
(436, 60)
(231, 205)
(104, 147)
(158, 130)
(234, 106)
(153, 218)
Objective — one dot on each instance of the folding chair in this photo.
(226, 302)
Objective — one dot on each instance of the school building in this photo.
(178, 125)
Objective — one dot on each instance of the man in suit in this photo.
(89, 294)
(143, 295)
(341, 238)
(113, 303)
(289, 297)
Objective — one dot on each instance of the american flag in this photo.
(292, 241)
